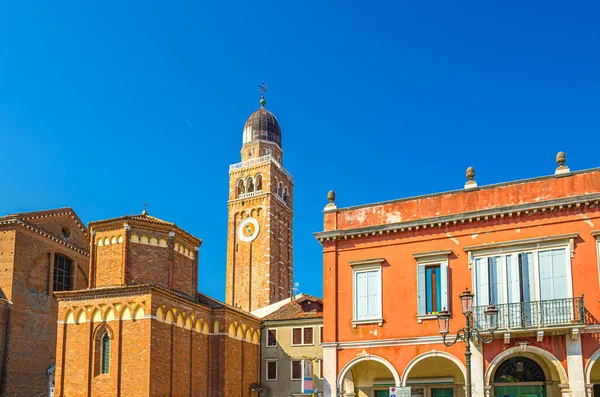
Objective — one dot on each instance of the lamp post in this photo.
(469, 332)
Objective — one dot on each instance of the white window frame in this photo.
(302, 338)
(434, 258)
(292, 369)
(276, 337)
(362, 266)
(321, 335)
(267, 361)
(534, 246)
(596, 233)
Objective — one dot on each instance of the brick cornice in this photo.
(31, 228)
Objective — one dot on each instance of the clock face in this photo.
(248, 230)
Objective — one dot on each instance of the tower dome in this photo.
(262, 125)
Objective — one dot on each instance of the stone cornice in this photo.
(51, 214)
(540, 207)
(27, 226)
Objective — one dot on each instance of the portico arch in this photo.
(556, 381)
(363, 358)
(548, 358)
(590, 365)
(432, 354)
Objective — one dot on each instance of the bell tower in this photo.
(259, 244)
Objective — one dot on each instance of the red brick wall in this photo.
(109, 259)
(148, 264)
(184, 270)
(33, 309)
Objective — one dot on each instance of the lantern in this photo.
(466, 302)
(491, 318)
(444, 322)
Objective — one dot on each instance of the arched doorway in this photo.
(519, 377)
(435, 374)
(367, 375)
(554, 374)
(592, 375)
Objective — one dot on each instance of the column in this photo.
(575, 365)
(477, 370)
(329, 370)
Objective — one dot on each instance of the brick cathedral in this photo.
(131, 321)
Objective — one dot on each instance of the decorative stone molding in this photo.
(470, 174)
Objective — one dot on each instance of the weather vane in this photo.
(263, 90)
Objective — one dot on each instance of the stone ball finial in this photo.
(331, 196)
(561, 158)
(470, 173)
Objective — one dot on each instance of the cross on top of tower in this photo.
(263, 90)
(145, 211)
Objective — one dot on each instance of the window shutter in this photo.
(482, 296)
(361, 295)
(496, 284)
(560, 288)
(444, 284)
(373, 291)
(512, 275)
(421, 298)
(545, 264)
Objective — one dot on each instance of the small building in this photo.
(292, 335)
(41, 253)
(529, 247)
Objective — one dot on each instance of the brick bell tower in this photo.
(259, 245)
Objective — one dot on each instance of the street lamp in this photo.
(469, 332)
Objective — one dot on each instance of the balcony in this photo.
(250, 194)
(535, 315)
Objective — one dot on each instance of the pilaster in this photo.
(575, 366)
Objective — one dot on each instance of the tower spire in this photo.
(263, 90)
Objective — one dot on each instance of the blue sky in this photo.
(376, 101)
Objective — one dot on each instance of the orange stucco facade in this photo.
(558, 214)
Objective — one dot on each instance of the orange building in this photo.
(529, 247)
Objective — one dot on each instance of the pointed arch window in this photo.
(258, 183)
(105, 354)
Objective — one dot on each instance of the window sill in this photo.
(422, 317)
(378, 321)
(302, 344)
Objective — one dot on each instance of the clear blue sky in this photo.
(376, 101)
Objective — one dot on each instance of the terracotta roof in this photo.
(145, 218)
(297, 309)
(216, 304)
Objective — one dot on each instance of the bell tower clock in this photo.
(259, 244)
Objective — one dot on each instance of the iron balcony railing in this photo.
(535, 314)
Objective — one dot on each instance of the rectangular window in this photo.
(321, 369)
(367, 294)
(297, 336)
(296, 370)
(302, 336)
(271, 370)
(432, 284)
(433, 291)
(63, 273)
(308, 336)
(271, 337)
(321, 334)
(532, 275)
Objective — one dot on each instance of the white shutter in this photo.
(527, 276)
(421, 298)
(512, 275)
(444, 286)
(560, 288)
(482, 296)
(373, 293)
(361, 295)
(545, 270)
(496, 284)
